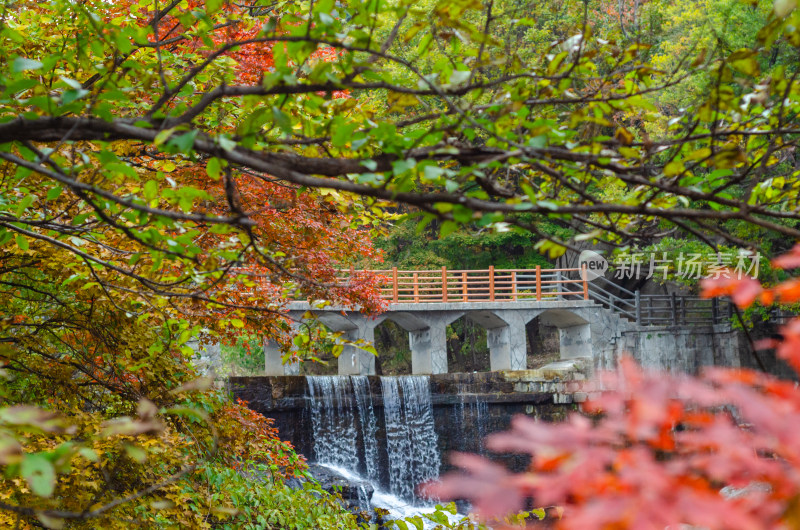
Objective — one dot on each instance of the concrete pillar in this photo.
(507, 348)
(575, 341)
(429, 349)
(429, 344)
(273, 362)
(354, 360)
(507, 338)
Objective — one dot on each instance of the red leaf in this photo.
(743, 291)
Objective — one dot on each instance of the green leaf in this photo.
(214, 168)
(448, 227)
(23, 205)
(282, 119)
(183, 142)
(39, 473)
(343, 133)
(54, 193)
(212, 6)
(745, 61)
(89, 454)
(22, 242)
(163, 136)
(135, 453)
(675, 167)
(23, 63)
(150, 190)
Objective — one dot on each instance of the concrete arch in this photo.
(407, 321)
(562, 318)
(487, 319)
(585, 330)
(336, 321)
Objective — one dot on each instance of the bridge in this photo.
(596, 319)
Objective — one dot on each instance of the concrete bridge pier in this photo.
(585, 330)
(505, 337)
(273, 362)
(429, 344)
(353, 360)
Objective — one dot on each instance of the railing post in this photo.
(514, 285)
(637, 298)
(683, 300)
(558, 285)
(491, 283)
(464, 288)
(538, 283)
(714, 310)
(674, 309)
(394, 285)
(416, 288)
(585, 282)
(444, 283)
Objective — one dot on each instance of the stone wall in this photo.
(686, 350)
(466, 406)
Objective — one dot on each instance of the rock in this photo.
(357, 494)
(563, 370)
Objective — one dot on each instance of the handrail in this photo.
(483, 285)
(445, 285)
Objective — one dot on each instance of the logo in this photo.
(596, 265)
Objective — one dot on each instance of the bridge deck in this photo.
(406, 288)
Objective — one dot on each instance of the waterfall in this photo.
(369, 426)
(346, 426)
(333, 421)
(410, 437)
(363, 499)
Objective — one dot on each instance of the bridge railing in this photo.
(486, 285)
(508, 285)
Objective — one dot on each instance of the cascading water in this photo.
(346, 426)
(369, 425)
(410, 436)
(333, 421)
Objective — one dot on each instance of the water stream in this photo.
(346, 434)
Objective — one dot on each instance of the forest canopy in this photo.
(174, 172)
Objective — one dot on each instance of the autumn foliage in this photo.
(656, 450)
(95, 431)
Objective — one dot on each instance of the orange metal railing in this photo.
(488, 285)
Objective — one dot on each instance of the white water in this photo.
(472, 412)
(342, 413)
(334, 424)
(369, 426)
(397, 507)
(410, 436)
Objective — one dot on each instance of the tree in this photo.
(181, 170)
(485, 123)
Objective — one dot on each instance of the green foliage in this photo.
(244, 357)
(254, 501)
(468, 248)
(174, 173)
